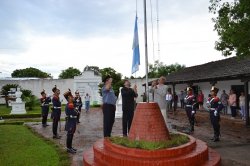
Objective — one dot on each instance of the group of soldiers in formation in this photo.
(214, 106)
(72, 111)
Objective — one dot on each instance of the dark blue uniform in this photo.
(78, 106)
(70, 127)
(215, 106)
(190, 107)
(45, 109)
(56, 113)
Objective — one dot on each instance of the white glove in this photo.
(215, 113)
(193, 112)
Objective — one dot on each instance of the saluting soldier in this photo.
(56, 111)
(71, 120)
(45, 107)
(190, 107)
(78, 104)
(215, 106)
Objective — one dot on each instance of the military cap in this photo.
(214, 89)
(54, 89)
(189, 88)
(67, 94)
(43, 92)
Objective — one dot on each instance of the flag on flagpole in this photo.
(136, 49)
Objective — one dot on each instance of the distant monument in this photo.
(88, 83)
(18, 106)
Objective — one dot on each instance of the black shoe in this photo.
(44, 125)
(216, 139)
(74, 149)
(78, 122)
(212, 138)
(56, 137)
(47, 125)
(70, 150)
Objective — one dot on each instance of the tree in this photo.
(69, 73)
(5, 91)
(117, 78)
(232, 24)
(159, 69)
(30, 72)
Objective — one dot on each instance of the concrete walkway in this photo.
(234, 146)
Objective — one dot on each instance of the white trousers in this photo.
(164, 114)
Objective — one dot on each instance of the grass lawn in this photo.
(20, 146)
(4, 110)
(36, 110)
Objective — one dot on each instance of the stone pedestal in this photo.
(18, 108)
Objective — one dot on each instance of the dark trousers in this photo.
(182, 103)
(69, 140)
(215, 123)
(191, 117)
(45, 112)
(56, 118)
(233, 111)
(127, 117)
(108, 119)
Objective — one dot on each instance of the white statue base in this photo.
(18, 108)
(118, 112)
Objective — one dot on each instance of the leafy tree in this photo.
(30, 72)
(30, 99)
(5, 91)
(69, 73)
(232, 23)
(117, 79)
(159, 69)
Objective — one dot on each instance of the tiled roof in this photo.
(230, 68)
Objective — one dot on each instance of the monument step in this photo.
(196, 157)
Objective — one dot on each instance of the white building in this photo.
(230, 73)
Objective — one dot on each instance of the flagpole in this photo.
(146, 49)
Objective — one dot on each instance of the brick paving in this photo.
(234, 146)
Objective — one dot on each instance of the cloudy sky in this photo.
(52, 35)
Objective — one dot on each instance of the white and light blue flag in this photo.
(136, 49)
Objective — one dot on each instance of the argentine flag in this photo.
(136, 49)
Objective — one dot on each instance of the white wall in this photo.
(37, 85)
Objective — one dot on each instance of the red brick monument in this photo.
(148, 124)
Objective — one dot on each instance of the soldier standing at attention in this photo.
(45, 107)
(56, 111)
(70, 126)
(214, 106)
(78, 104)
(190, 107)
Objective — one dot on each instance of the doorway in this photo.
(237, 89)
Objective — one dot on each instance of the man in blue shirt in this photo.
(109, 101)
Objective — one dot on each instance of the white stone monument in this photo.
(88, 83)
(18, 106)
(118, 112)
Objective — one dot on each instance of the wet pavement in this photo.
(234, 146)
